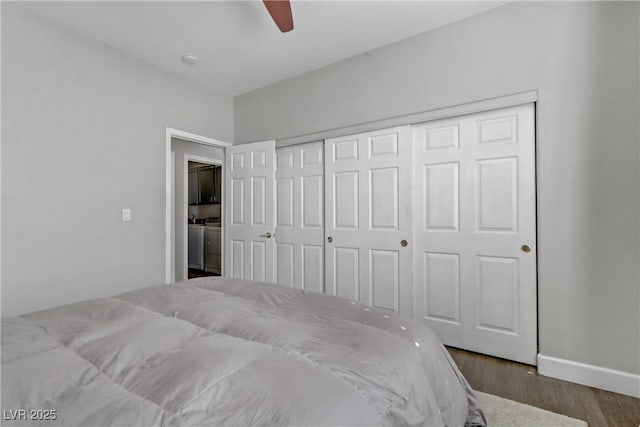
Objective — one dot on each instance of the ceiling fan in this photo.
(280, 11)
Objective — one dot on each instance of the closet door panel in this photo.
(300, 218)
(312, 202)
(368, 218)
(313, 268)
(474, 227)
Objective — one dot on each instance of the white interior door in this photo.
(300, 216)
(474, 228)
(249, 211)
(368, 216)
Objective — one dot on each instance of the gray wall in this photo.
(583, 59)
(183, 148)
(83, 136)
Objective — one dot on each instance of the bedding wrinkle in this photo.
(404, 334)
(215, 384)
(291, 345)
(80, 383)
(218, 351)
(384, 313)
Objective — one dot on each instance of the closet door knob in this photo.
(525, 248)
(330, 239)
(267, 235)
(403, 243)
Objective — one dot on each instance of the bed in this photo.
(216, 351)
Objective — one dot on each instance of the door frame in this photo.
(185, 190)
(169, 272)
(478, 106)
(531, 96)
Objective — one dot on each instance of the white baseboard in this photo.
(590, 375)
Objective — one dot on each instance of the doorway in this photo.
(204, 212)
(182, 148)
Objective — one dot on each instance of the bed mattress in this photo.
(215, 351)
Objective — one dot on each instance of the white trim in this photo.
(185, 190)
(172, 215)
(177, 133)
(0, 147)
(590, 375)
(420, 117)
(169, 274)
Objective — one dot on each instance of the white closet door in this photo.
(300, 216)
(474, 228)
(249, 211)
(368, 216)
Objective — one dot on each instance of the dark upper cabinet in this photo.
(217, 184)
(193, 187)
(205, 185)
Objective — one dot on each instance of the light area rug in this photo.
(507, 413)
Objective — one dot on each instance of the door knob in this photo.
(403, 243)
(267, 235)
(525, 248)
(330, 239)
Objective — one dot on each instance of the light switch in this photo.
(126, 214)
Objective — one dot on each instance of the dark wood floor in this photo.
(522, 383)
(193, 273)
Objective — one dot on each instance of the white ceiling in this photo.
(239, 46)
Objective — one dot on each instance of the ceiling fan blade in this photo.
(280, 11)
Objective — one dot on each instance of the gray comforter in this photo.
(217, 351)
